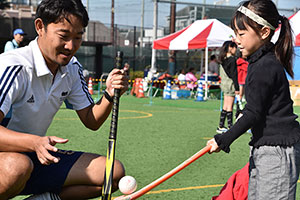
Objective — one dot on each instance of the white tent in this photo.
(294, 21)
(201, 34)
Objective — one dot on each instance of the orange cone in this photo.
(133, 88)
(90, 86)
(137, 85)
(140, 93)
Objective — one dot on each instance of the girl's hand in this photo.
(214, 146)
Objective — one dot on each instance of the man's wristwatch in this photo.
(108, 97)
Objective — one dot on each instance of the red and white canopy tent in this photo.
(201, 34)
(294, 21)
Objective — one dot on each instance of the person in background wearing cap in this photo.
(10, 45)
(15, 43)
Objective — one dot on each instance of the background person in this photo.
(10, 45)
(181, 79)
(37, 80)
(274, 161)
(191, 79)
(15, 43)
(213, 66)
(242, 68)
(229, 83)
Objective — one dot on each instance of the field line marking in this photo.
(186, 188)
(207, 138)
(182, 189)
(145, 115)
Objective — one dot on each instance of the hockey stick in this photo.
(110, 159)
(165, 177)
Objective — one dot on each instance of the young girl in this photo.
(275, 148)
(229, 83)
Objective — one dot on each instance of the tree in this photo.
(4, 4)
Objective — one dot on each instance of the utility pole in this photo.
(196, 12)
(87, 27)
(142, 28)
(134, 42)
(203, 9)
(172, 54)
(153, 59)
(172, 16)
(112, 27)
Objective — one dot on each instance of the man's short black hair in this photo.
(51, 11)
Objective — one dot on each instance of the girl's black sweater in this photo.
(230, 68)
(269, 109)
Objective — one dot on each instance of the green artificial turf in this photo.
(156, 136)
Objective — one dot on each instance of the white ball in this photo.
(127, 185)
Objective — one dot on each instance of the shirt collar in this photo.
(269, 46)
(16, 45)
(39, 62)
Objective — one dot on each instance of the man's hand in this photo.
(117, 79)
(45, 144)
(214, 146)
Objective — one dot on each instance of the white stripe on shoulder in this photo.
(83, 83)
(7, 79)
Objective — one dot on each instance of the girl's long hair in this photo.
(224, 50)
(267, 10)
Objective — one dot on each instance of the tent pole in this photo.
(206, 73)
(153, 59)
(201, 64)
(153, 69)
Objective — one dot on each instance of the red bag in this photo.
(236, 187)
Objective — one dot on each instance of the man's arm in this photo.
(12, 141)
(95, 115)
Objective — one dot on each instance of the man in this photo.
(10, 45)
(35, 81)
(213, 66)
(15, 43)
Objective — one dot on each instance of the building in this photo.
(21, 14)
(189, 14)
(24, 2)
(223, 13)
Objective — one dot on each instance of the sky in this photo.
(128, 12)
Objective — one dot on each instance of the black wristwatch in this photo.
(108, 97)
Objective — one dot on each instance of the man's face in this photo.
(19, 38)
(59, 41)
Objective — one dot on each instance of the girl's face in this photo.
(248, 40)
(232, 50)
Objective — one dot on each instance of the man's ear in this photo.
(265, 32)
(39, 26)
